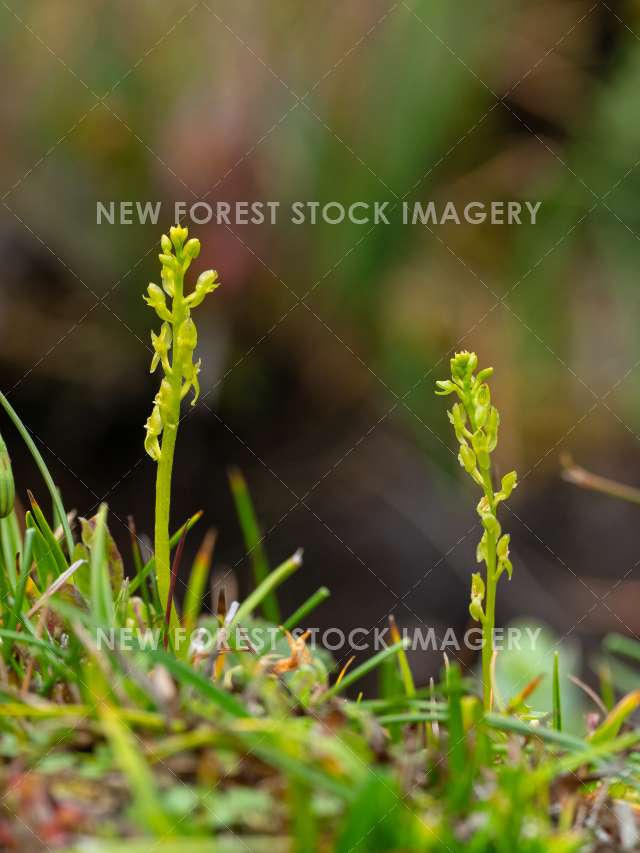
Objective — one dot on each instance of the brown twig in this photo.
(573, 473)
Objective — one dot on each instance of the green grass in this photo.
(216, 743)
(264, 760)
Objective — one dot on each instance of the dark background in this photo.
(321, 349)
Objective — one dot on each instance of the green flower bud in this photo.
(178, 235)
(158, 301)
(168, 281)
(165, 244)
(482, 403)
(467, 458)
(475, 610)
(164, 396)
(190, 373)
(7, 485)
(187, 336)
(477, 586)
(153, 427)
(152, 447)
(488, 518)
(491, 525)
(161, 344)
(477, 597)
(502, 548)
(154, 421)
(479, 442)
(483, 506)
(481, 550)
(484, 374)
(502, 551)
(207, 279)
(155, 294)
(483, 395)
(481, 415)
(169, 261)
(491, 429)
(458, 417)
(192, 248)
(463, 364)
(207, 282)
(484, 461)
(446, 387)
(509, 483)
(506, 565)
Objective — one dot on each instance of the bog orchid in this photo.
(475, 422)
(173, 347)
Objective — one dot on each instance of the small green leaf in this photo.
(101, 599)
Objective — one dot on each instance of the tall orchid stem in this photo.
(489, 621)
(168, 446)
(476, 421)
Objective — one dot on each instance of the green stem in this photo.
(488, 625)
(163, 509)
(165, 464)
(488, 630)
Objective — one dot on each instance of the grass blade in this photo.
(557, 707)
(403, 663)
(44, 560)
(137, 565)
(589, 755)
(150, 565)
(187, 675)
(128, 755)
(610, 726)
(271, 582)
(515, 726)
(102, 606)
(55, 586)
(48, 535)
(620, 645)
(10, 546)
(175, 567)
(253, 540)
(363, 669)
(306, 607)
(44, 471)
(25, 568)
(198, 580)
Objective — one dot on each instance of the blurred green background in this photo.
(321, 350)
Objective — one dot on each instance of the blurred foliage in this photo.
(371, 101)
(411, 101)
